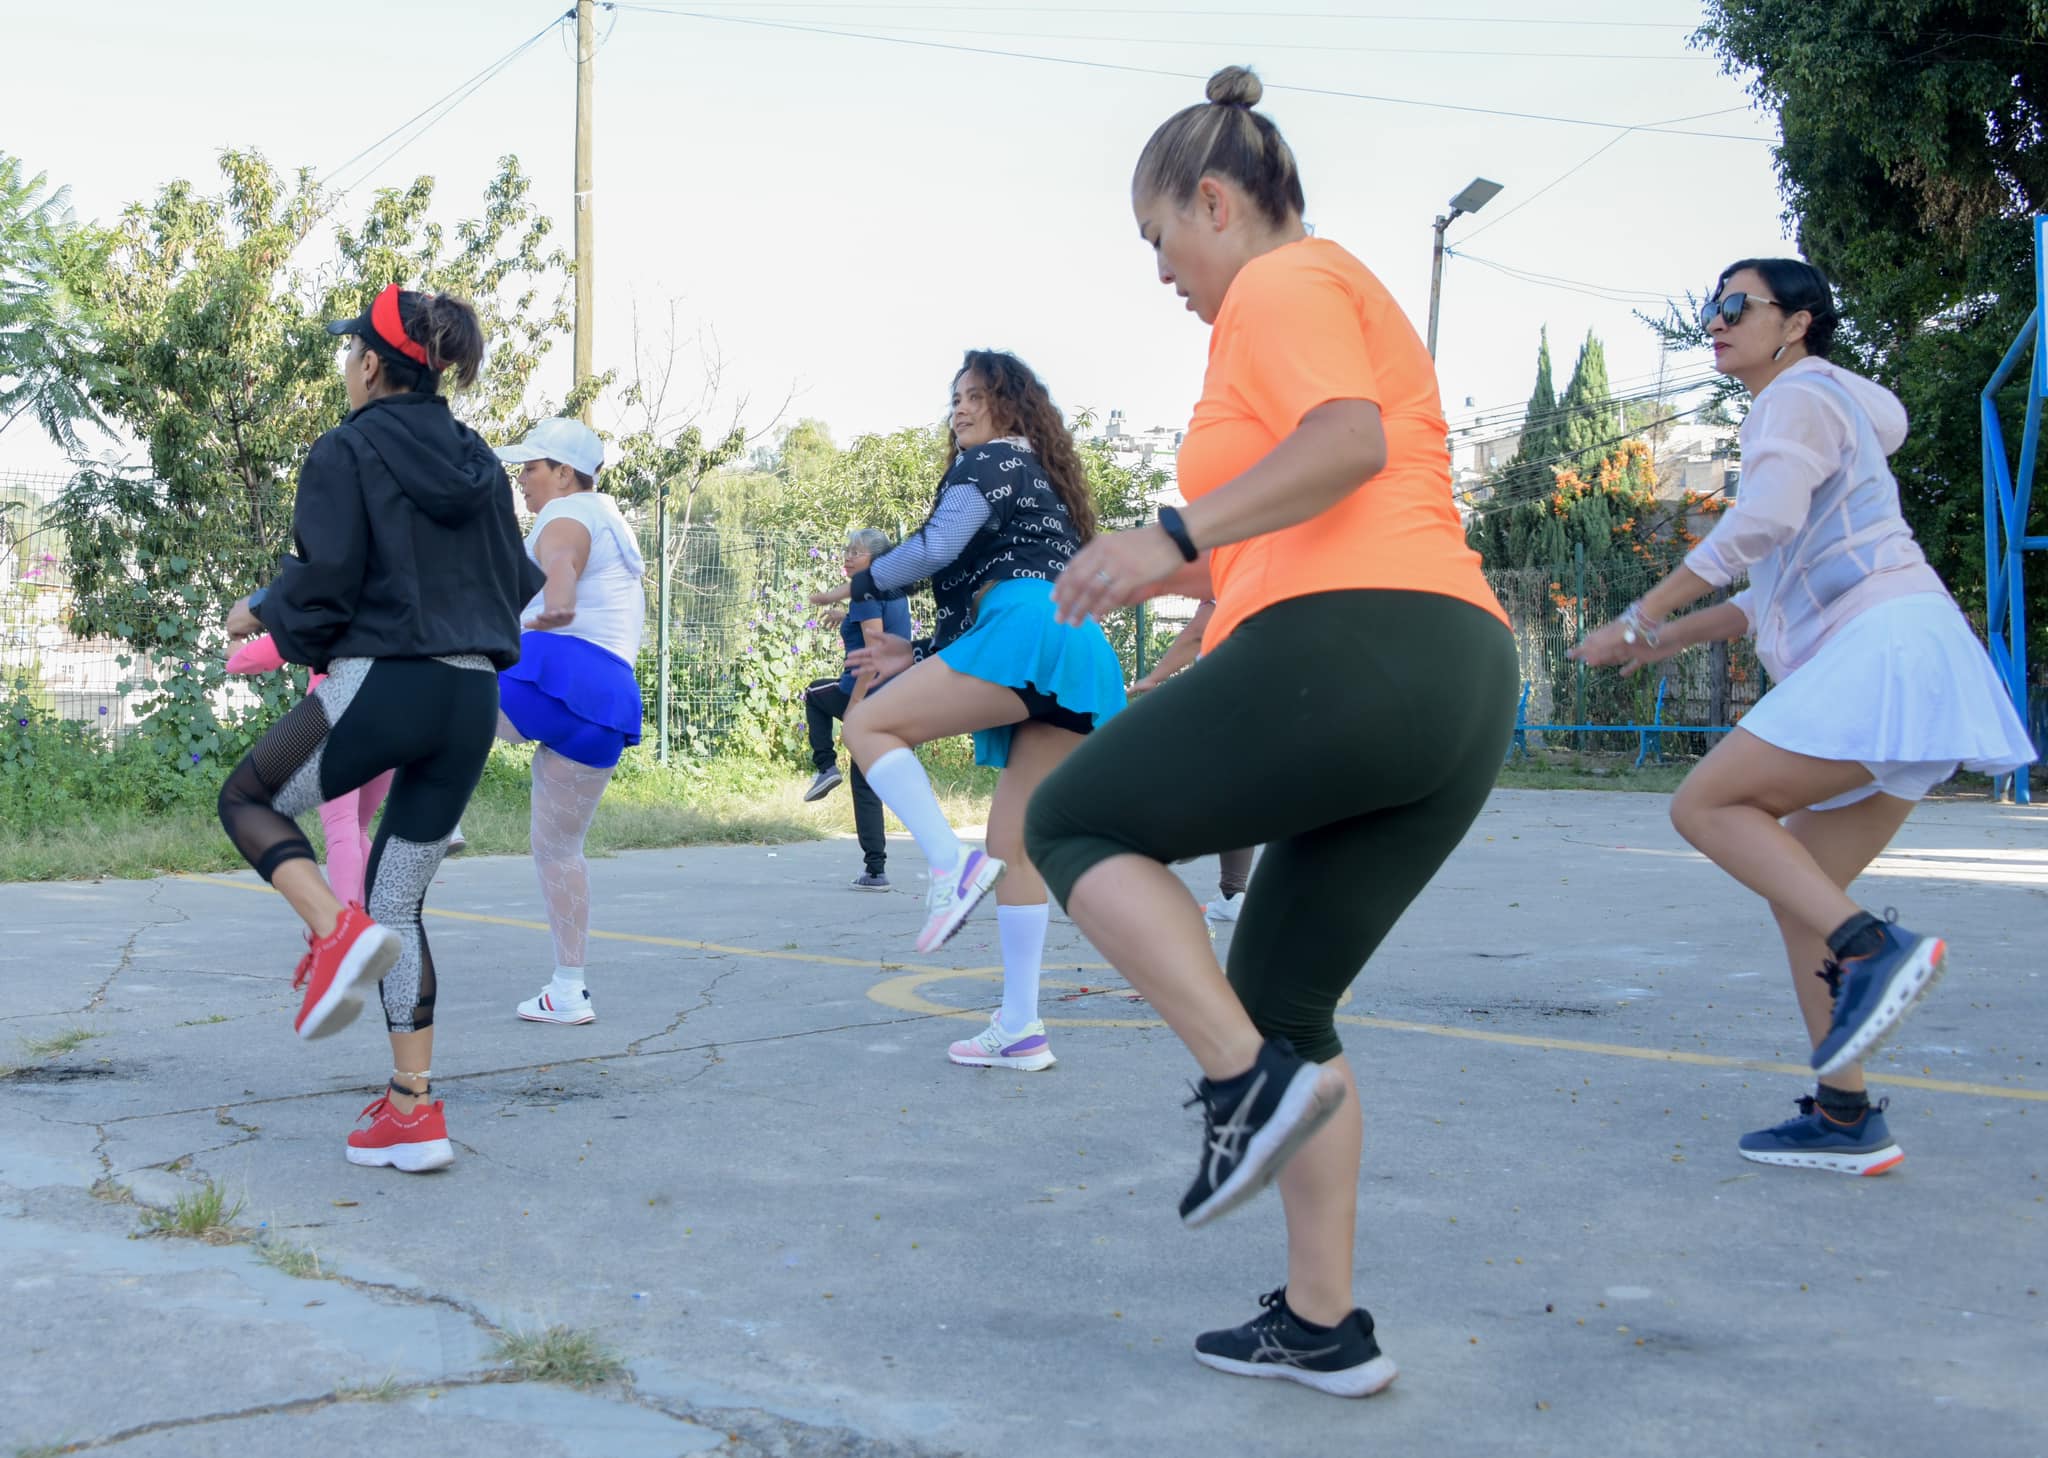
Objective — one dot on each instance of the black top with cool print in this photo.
(997, 519)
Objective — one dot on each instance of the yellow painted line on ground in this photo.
(685, 943)
(903, 993)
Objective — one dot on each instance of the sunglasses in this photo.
(1730, 307)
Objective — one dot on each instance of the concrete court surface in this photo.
(759, 1180)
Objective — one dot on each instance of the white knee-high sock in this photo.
(905, 788)
(1022, 930)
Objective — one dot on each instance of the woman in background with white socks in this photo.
(573, 689)
(1012, 510)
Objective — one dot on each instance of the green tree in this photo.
(46, 356)
(1589, 422)
(1540, 424)
(213, 353)
(1912, 158)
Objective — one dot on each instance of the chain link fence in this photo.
(742, 642)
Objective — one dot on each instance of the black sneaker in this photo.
(823, 783)
(1343, 1360)
(1254, 1127)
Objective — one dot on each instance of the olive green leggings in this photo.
(1354, 734)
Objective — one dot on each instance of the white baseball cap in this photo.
(563, 439)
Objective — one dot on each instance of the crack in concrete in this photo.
(703, 1001)
(552, 1063)
(128, 947)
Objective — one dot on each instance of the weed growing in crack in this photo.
(56, 1043)
(558, 1354)
(295, 1261)
(202, 1022)
(386, 1391)
(46, 1450)
(111, 1190)
(203, 1215)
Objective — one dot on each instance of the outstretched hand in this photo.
(1607, 647)
(1113, 571)
(242, 623)
(882, 657)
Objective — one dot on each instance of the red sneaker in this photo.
(335, 968)
(412, 1142)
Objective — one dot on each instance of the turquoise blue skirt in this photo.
(1015, 642)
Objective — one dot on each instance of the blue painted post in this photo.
(2008, 502)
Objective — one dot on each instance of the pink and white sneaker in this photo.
(1029, 1051)
(414, 1142)
(954, 894)
(335, 968)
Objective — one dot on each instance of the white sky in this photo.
(849, 214)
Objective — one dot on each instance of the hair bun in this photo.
(1235, 86)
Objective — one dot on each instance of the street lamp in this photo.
(1477, 194)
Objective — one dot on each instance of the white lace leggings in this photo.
(565, 796)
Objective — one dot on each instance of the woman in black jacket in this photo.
(404, 587)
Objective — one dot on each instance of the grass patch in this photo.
(57, 1043)
(202, 1215)
(647, 807)
(558, 1354)
(1567, 771)
(296, 1261)
(202, 1022)
(388, 1390)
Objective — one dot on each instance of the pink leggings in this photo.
(347, 823)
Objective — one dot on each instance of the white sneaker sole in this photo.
(374, 953)
(1922, 970)
(940, 930)
(411, 1158)
(1876, 1162)
(566, 1021)
(1029, 1063)
(1315, 1093)
(1360, 1381)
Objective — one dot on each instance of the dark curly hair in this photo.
(1021, 406)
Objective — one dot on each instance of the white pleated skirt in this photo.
(1907, 691)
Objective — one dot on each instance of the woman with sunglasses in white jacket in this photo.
(1881, 690)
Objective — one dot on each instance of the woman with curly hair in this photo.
(1012, 510)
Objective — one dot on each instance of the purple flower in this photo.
(746, 650)
(810, 622)
(814, 553)
(48, 558)
(195, 756)
(186, 666)
(22, 722)
(792, 650)
(103, 709)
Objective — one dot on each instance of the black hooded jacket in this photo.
(404, 544)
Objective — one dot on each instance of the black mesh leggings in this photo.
(429, 719)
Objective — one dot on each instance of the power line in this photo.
(439, 109)
(1463, 52)
(1626, 387)
(1572, 285)
(1179, 14)
(688, 14)
(1580, 166)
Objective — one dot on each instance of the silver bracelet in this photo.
(1636, 624)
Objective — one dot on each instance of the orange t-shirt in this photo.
(1303, 325)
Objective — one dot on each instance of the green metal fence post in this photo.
(661, 631)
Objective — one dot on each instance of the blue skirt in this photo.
(1015, 642)
(573, 696)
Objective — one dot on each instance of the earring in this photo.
(1781, 351)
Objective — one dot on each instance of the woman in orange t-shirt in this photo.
(1357, 668)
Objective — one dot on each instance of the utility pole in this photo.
(1477, 194)
(586, 247)
(1436, 277)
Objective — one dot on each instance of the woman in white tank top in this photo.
(573, 690)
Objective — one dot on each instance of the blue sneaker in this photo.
(1873, 993)
(1815, 1141)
